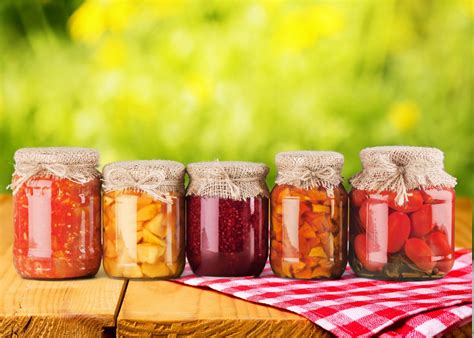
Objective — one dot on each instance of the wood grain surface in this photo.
(76, 308)
(90, 307)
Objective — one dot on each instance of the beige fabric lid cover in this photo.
(75, 164)
(400, 169)
(155, 177)
(227, 179)
(306, 169)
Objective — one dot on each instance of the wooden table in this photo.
(102, 306)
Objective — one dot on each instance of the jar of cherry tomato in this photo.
(227, 218)
(143, 208)
(402, 214)
(309, 216)
(56, 198)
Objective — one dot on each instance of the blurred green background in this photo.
(200, 80)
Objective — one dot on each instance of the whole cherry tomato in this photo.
(360, 248)
(415, 201)
(398, 231)
(419, 253)
(358, 197)
(421, 221)
(440, 246)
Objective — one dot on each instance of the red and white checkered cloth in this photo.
(353, 306)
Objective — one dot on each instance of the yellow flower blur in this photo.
(404, 115)
(301, 28)
(111, 54)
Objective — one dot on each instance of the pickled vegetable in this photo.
(308, 234)
(411, 241)
(57, 228)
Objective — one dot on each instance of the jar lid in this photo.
(402, 155)
(228, 179)
(75, 164)
(156, 177)
(400, 169)
(57, 155)
(308, 169)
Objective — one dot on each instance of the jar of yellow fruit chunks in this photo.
(143, 219)
(309, 216)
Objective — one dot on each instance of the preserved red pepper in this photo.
(227, 218)
(56, 219)
(407, 234)
(309, 216)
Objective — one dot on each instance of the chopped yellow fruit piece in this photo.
(155, 270)
(321, 208)
(146, 213)
(149, 237)
(139, 236)
(149, 253)
(108, 201)
(109, 249)
(317, 252)
(144, 199)
(297, 266)
(111, 267)
(132, 271)
(155, 225)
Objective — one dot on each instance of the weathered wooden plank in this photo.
(82, 308)
(28, 308)
(167, 308)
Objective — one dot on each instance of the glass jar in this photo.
(407, 235)
(308, 220)
(227, 218)
(143, 208)
(56, 199)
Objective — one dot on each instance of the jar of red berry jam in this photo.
(227, 218)
(143, 208)
(56, 198)
(402, 214)
(309, 216)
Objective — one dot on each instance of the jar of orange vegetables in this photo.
(402, 215)
(143, 219)
(309, 216)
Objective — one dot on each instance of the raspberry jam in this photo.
(227, 237)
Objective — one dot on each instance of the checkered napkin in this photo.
(353, 306)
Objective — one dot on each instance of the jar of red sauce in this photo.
(402, 215)
(227, 218)
(143, 218)
(56, 198)
(309, 216)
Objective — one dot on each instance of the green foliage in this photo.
(200, 80)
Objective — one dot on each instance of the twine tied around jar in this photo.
(121, 179)
(224, 176)
(234, 180)
(400, 169)
(156, 178)
(75, 164)
(310, 169)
